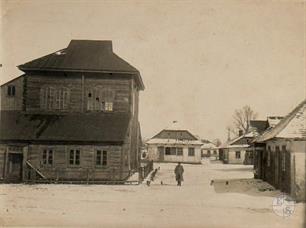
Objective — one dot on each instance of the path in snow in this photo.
(195, 204)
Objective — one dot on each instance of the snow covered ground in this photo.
(243, 202)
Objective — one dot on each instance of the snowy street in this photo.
(243, 202)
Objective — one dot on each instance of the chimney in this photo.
(240, 132)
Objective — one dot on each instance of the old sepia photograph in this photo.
(153, 114)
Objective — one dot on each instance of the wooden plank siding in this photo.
(12, 102)
(121, 87)
(62, 170)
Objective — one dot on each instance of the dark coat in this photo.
(179, 170)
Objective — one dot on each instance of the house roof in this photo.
(238, 141)
(259, 125)
(173, 142)
(291, 126)
(76, 127)
(273, 120)
(208, 145)
(84, 56)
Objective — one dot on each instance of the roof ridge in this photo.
(282, 124)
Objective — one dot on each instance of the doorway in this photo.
(14, 171)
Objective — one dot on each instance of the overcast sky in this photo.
(200, 60)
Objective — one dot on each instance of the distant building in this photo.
(73, 116)
(280, 153)
(208, 149)
(239, 150)
(174, 145)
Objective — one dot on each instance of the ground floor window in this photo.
(167, 151)
(215, 152)
(238, 155)
(47, 157)
(101, 158)
(74, 157)
(191, 151)
(178, 151)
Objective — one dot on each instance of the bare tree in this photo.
(241, 120)
(217, 142)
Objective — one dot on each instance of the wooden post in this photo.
(5, 163)
(83, 92)
(292, 175)
(87, 176)
(25, 150)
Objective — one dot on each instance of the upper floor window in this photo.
(100, 99)
(11, 90)
(54, 98)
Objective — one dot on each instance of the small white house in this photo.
(208, 149)
(174, 145)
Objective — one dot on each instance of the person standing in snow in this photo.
(179, 170)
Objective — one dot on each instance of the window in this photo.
(47, 157)
(74, 157)
(11, 90)
(109, 106)
(191, 151)
(101, 158)
(173, 150)
(179, 151)
(100, 99)
(215, 152)
(277, 149)
(238, 155)
(54, 98)
(208, 152)
(167, 151)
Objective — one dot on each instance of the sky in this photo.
(199, 60)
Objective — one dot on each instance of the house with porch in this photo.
(280, 154)
(175, 145)
(71, 117)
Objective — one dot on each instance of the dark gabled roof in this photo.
(175, 134)
(259, 125)
(75, 127)
(84, 56)
(293, 126)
